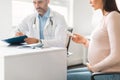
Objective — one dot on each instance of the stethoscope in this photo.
(50, 24)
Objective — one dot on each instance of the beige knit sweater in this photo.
(104, 47)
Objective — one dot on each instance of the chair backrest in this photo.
(69, 38)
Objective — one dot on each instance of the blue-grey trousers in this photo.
(85, 74)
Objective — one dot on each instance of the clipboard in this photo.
(15, 40)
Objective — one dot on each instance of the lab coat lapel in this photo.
(48, 20)
(37, 26)
(47, 23)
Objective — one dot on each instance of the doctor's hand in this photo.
(31, 40)
(19, 34)
(79, 39)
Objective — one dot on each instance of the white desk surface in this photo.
(6, 50)
(26, 64)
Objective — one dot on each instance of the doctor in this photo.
(45, 26)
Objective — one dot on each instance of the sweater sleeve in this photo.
(112, 22)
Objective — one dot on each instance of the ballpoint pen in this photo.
(19, 33)
(19, 30)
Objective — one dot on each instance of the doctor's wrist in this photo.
(39, 41)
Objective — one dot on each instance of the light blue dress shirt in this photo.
(42, 21)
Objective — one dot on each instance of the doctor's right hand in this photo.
(31, 40)
(19, 34)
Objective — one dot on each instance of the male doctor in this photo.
(45, 26)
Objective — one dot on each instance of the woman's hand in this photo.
(91, 68)
(79, 39)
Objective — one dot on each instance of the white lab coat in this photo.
(54, 35)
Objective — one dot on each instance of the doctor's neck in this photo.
(41, 14)
(45, 12)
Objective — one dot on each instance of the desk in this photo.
(32, 64)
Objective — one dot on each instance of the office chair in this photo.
(69, 40)
(103, 73)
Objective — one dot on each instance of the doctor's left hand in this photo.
(31, 40)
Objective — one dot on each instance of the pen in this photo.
(19, 33)
(19, 30)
